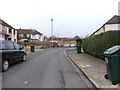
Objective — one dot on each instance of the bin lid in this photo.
(112, 50)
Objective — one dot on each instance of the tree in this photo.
(76, 37)
(52, 37)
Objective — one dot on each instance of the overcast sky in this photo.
(70, 17)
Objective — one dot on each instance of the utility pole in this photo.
(57, 33)
(51, 32)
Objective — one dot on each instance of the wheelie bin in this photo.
(78, 49)
(32, 48)
(78, 45)
(112, 59)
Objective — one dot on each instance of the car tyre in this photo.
(5, 65)
(24, 58)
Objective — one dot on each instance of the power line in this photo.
(40, 8)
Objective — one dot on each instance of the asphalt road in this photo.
(49, 68)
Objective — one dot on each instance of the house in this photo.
(112, 24)
(29, 34)
(66, 42)
(7, 32)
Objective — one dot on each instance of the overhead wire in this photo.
(46, 14)
(43, 11)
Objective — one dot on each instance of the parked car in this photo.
(11, 52)
(72, 45)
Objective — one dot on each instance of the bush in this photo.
(97, 44)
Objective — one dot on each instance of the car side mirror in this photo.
(21, 47)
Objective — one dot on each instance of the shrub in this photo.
(97, 44)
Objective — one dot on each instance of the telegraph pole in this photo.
(51, 32)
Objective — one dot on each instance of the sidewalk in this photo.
(94, 68)
(29, 52)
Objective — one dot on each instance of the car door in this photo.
(19, 53)
(11, 53)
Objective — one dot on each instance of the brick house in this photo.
(7, 32)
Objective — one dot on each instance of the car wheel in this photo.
(5, 65)
(24, 58)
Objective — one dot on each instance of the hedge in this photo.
(97, 44)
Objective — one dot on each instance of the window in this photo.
(33, 36)
(2, 46)
(2, 36)
(10, 46)
(14, 31)
(15, 40)
(10, 30)
(17, 47)
(9, 39)
(20, 35)
(28, 35)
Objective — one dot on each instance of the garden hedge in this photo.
(97, 44)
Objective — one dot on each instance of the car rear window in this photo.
(2, 46)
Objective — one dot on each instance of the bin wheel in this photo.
(114, 82)
(106, 76)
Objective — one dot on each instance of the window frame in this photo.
(4, 45)
(21, 35)
(9, 47)
(15, 46)
(10, 30)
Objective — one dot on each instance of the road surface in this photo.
(49, 68)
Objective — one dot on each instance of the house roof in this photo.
(114, 20)
(28, 31)
(65, 39)
(5, 24)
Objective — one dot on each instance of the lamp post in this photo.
(119, 13)
(119, 8)
(51, 32)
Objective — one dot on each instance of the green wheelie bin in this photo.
(112, 59)
(32, 47)
(78, 49)
(78, 45)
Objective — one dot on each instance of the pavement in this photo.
(29, 51)
(93, 68)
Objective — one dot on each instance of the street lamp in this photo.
(51, 32)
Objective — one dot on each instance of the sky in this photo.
(70, 17)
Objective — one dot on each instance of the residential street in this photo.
(49, 68)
